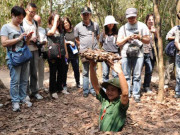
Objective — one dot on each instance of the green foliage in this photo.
(2, 56)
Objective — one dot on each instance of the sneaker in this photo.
(27, 103)
(85, 95)
(137, 99)
(147, 89)
(64, 91)
(55, 95)
(94, 94)
(177, 96)
(165, 86)
(27, 98)
(1, 105)
(38, 96)
(15, 107)
(46, 90)
(78, 85)
(65, 88)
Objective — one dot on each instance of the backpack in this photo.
(170, 49)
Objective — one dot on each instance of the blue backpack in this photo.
(170, 49)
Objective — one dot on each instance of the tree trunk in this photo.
(2, 86)
(50, 6)
(177, 11)
(88, 3)
(160, 96)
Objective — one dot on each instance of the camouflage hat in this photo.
(113, 82)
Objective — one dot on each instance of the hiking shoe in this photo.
(27, 103)
(65, 92)
(27, 98)
(15, 107)
(137, 99)
(85, 95)
(38, 96)
(55, 95)
(177, 96)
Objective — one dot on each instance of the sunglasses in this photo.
(32, 12)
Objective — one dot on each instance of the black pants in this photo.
(75, 65)
(57, 71)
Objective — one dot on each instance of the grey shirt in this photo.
(109, 42)
(172, 32)
(130, 29)
(31, 28)
(11, 33)
(85, 34)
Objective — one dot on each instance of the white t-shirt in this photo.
(130, 30)
(42, 34)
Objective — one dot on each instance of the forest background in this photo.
(100, 8)
(165, 12)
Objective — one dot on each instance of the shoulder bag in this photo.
(20, 56)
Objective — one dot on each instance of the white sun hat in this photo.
(110, 20)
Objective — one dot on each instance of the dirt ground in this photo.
(75, 115)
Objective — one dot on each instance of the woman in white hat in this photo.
(108, 43)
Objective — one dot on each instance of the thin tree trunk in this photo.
(50, 6)
(88, 3)
(160, 96)
(177, 11)
(155, 50)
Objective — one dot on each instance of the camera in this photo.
(40, 44)
(136, 32)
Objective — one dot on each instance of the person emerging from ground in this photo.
(114, 101)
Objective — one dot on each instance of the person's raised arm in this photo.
(93, 77)
(54, 27)
(123, 83)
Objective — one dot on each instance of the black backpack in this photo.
(170, 49)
